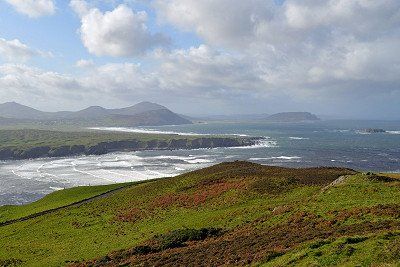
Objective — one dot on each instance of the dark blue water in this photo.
(328, 143)
(325, 143)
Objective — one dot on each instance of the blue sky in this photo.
(59, 35)
(49, 33)
(334, 57)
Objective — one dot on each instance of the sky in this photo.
(333, 57)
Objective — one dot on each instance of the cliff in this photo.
(12, 153)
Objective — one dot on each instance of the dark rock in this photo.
(374, 130)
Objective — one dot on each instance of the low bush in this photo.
(319, 243)
(355, 239)
(272, 255)
(10, 262)
(177, 238)
(142, 250)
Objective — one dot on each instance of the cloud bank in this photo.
(15, 50)
(33, 8)
(336, 56)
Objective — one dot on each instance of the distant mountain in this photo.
(149, 118)
(17, 111)
(10, 121)
(292, 117)
(144, 113)
(89, 113)
(138, 108)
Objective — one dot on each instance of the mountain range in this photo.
(141, 114)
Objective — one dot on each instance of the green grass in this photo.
(55, 200)
(28, 138)
(371, 250)
(358, 187)
(243, 199)
(34, 143)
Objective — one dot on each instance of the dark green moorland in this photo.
(236, 213)
(35, 143)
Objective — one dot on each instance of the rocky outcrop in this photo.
(293, 117)
(124, 145)
(374, 130)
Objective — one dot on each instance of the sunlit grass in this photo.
(227, 196)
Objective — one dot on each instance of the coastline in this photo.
(130, 145)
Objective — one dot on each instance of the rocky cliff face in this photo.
(126, 145)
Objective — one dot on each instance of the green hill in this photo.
(236, 213)
(32, 143)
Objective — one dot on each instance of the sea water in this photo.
(325, 143)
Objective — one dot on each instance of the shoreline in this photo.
(132, 145)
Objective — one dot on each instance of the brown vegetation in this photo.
(248, 244)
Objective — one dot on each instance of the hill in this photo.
(10, 121)
(28, 144)
(292, 117)
(141, 114)
(151, 117)
(139, 108)
(236, 213)
(14, 110)
(93, 112)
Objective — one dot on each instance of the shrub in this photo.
(272, 255)
(142, 250)
(355, 239)
(274, 185)
(177, 238)
(319, 243)
(10, 262)
(348, 251)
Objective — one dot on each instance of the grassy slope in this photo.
(55, 200)
(28, 138)
(272, 216)
(381, 249)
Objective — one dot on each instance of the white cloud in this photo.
(194, 73)
(33, 8)
(29, 85)
(355, 16)
(80, 7)
(15, 50)
(238, 24)
(300, 47)
(84, 63)
(124, 81)
(199, 73)
(205, 73)
(120, 32)
(106, 84)
(223, 22)
(311, 54)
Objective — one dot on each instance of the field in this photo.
(55, 200)
(27, 138)
(235, 213)
(30, 143)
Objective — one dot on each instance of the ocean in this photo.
(325, 143)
